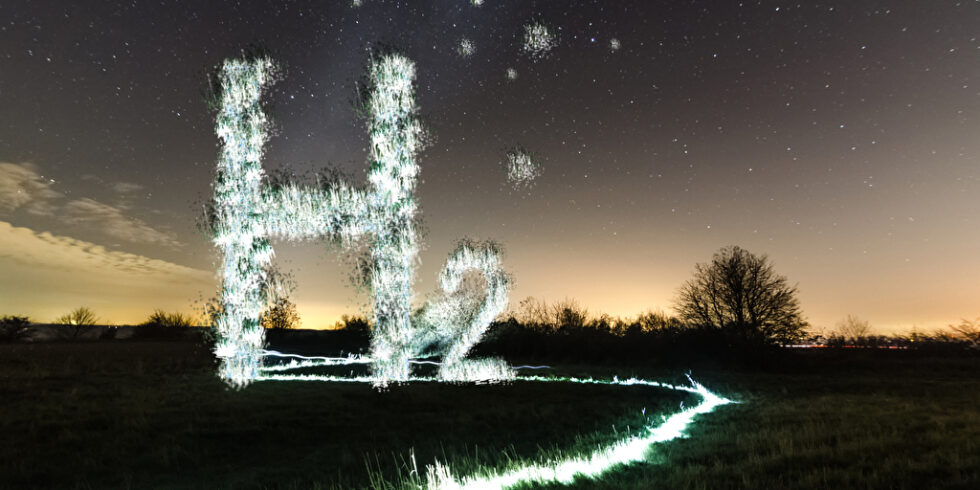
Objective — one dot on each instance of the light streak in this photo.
(630, 449)
(298, 361)
(564, 470)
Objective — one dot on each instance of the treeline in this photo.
(82, 323)
(964, 335)
(573, 337)
(564, 331)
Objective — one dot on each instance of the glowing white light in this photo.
(630, 449)
(249, 212)
(464, 315)
(297, 361)
(395, 138)
(614, 45)
(242, 127)
(476, 3)
(466, 48)
(539, 40)
(511, 74)
(522, 169)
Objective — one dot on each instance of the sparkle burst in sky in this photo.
(522, 168)
(539, 39)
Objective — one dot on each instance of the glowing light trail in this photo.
(563, 470)
(298, 361)
(629, 450)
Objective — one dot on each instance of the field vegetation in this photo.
(141, 407)
(151, 413)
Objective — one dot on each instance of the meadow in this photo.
(151, 414)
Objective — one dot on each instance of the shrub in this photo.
(163, 319)
(12, 327)
(969, 331)
(163, 325)
(281, 315)
(853, 327)
(355, 324)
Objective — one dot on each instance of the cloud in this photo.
(22, 186)
(44, 250)
(46, 275)
(114, 223)
(126, 187)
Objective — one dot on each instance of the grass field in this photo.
(151, 414)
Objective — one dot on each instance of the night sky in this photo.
(840, 138)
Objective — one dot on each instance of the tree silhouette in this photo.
(12, 327)
(968, 331)
(853, 327)
(569, 315)
(161, 318)
(741, 292)
(281, 315)
(78, 318)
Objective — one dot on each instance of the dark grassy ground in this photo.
(151, 414)
(878, 421)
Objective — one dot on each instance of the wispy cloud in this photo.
(46, 274)
(45, 250)
(114, 223)
(126, 188)
(23, 187)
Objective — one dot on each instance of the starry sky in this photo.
(840, 138)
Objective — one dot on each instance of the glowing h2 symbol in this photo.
(248, 212)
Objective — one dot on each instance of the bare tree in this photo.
(968, 331)
(567, 314)
(78, 318)
(740, 291)
(533, 311)
(853, 327)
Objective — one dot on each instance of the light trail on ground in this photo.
(631, 449)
